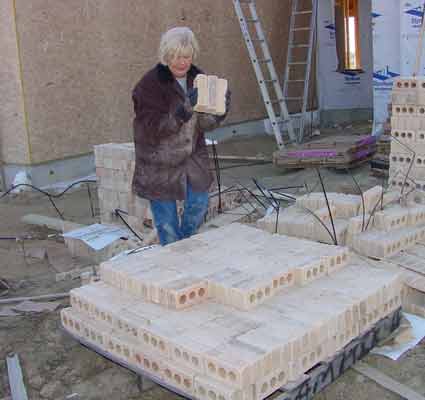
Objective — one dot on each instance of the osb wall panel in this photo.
(82, 58)
(13, 135)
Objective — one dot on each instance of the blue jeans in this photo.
(167, 223)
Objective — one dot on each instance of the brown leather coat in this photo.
(169, 153)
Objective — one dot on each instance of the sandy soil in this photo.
(54, 365)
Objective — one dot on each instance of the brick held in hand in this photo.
(211, 94)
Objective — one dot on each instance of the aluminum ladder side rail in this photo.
(290, 63)
(274, 120)
(291, 39)
(284, 113)
(312, 40)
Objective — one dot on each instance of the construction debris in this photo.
(16, 380)
(28, 306)
(7, 312)
(42, 220)
(406, 337)
(98, 242)
(4, 287)
(380, 164)
(75, 273)
(38, 253)
(53, 296)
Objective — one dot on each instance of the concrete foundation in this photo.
(53, 173)
(56, 172)
(329, 118)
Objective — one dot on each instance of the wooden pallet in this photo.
(379, 173)
(328, 371)
(345, 152)
(332, 162)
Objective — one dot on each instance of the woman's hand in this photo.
(184, 111)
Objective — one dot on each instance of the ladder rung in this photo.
(303, 12)
(280, 120)
(298, 63)
(293, 98)
(299, 45)
(301, 29)
(295, 80)
(245, 18)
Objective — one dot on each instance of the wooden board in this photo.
(339, 152)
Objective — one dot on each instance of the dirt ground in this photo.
(55, 366)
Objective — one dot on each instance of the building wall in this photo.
(338, 91)
(79, 61)
(14, 143)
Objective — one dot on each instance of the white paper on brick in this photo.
(97, 236)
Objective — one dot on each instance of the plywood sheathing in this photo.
(80, 63)
(14, 134)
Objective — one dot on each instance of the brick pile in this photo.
(233, 313)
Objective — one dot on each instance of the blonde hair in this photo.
(177, 41)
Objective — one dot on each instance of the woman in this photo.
(171, 155)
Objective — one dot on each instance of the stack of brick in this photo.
(408, 133)
(115, 164)
(391, 230)
(231, 276)
(233, 313)
(380, 164)
(362, 224)
(309, 217)
(114, 171)
(298, 222)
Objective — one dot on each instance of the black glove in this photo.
(220, 118)
(228, 100)
(183, 114)
(192, 95)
